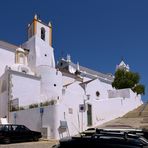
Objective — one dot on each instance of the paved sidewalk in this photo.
(39, 144)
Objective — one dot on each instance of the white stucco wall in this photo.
(6, 58)
(103, 108)
(25, 88)
(97, 85)
(44, 53)
(72, 98)
(30, 45)
(51, 82)
(35, 122)
(4, 95)
(40, 53)
(4, 104)
(123, 93)
(67, 80)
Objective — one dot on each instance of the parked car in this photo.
(106, 139)
(13, 133)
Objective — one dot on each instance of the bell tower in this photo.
(39, 44)
(41, 59)
(123, 66)
(43, 31)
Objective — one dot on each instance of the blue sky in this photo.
(96, 33)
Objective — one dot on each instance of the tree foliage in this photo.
(127, 79)
(139, 89)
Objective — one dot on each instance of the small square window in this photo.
(70, 110)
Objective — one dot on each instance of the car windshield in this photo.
(25, 128)
(4, 127)
(13, 127)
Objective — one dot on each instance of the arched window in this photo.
(43, 33)
(21, 58)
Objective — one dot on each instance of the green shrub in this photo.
(33, 105)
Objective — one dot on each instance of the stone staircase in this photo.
(138, 118)
(138, 112)
(144, 113)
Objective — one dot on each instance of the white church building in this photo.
(61, 99)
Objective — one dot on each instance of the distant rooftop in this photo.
(92, 74)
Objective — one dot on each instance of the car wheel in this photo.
(7, 140)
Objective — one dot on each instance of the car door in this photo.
(25, 132)
(16, 134)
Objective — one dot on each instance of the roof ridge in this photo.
(8, 46)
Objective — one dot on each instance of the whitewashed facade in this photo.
(61, 99)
